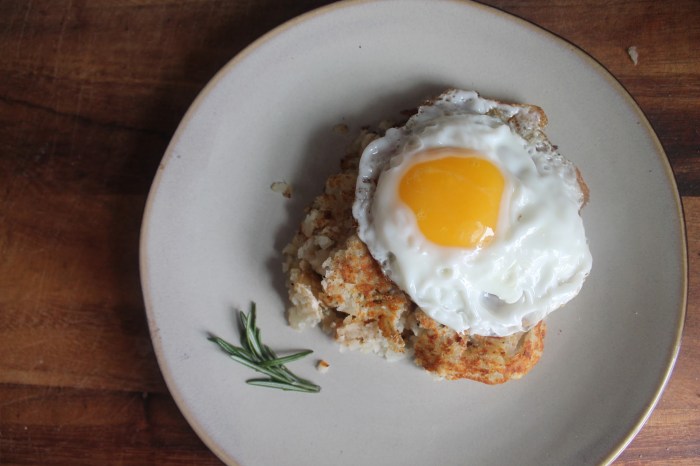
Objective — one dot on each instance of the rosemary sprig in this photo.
(254, 354)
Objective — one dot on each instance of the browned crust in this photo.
(355, 283)
(491, 360)
(584, 188)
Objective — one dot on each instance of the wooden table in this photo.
(90, 94)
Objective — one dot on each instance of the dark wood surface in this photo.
(90, 94)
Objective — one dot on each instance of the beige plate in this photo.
(213, 232)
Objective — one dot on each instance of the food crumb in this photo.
(341, 129)
(283, 188)
(634, 55)
(322, 366)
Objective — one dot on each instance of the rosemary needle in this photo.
(254, 354)
(285, 360)
(283, 386)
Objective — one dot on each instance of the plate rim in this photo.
(251, 48)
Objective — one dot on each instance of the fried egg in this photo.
(477, 224)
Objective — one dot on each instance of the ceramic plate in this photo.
(213, 232)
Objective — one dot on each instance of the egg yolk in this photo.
(455, 197)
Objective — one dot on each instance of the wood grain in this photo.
(90, 94)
